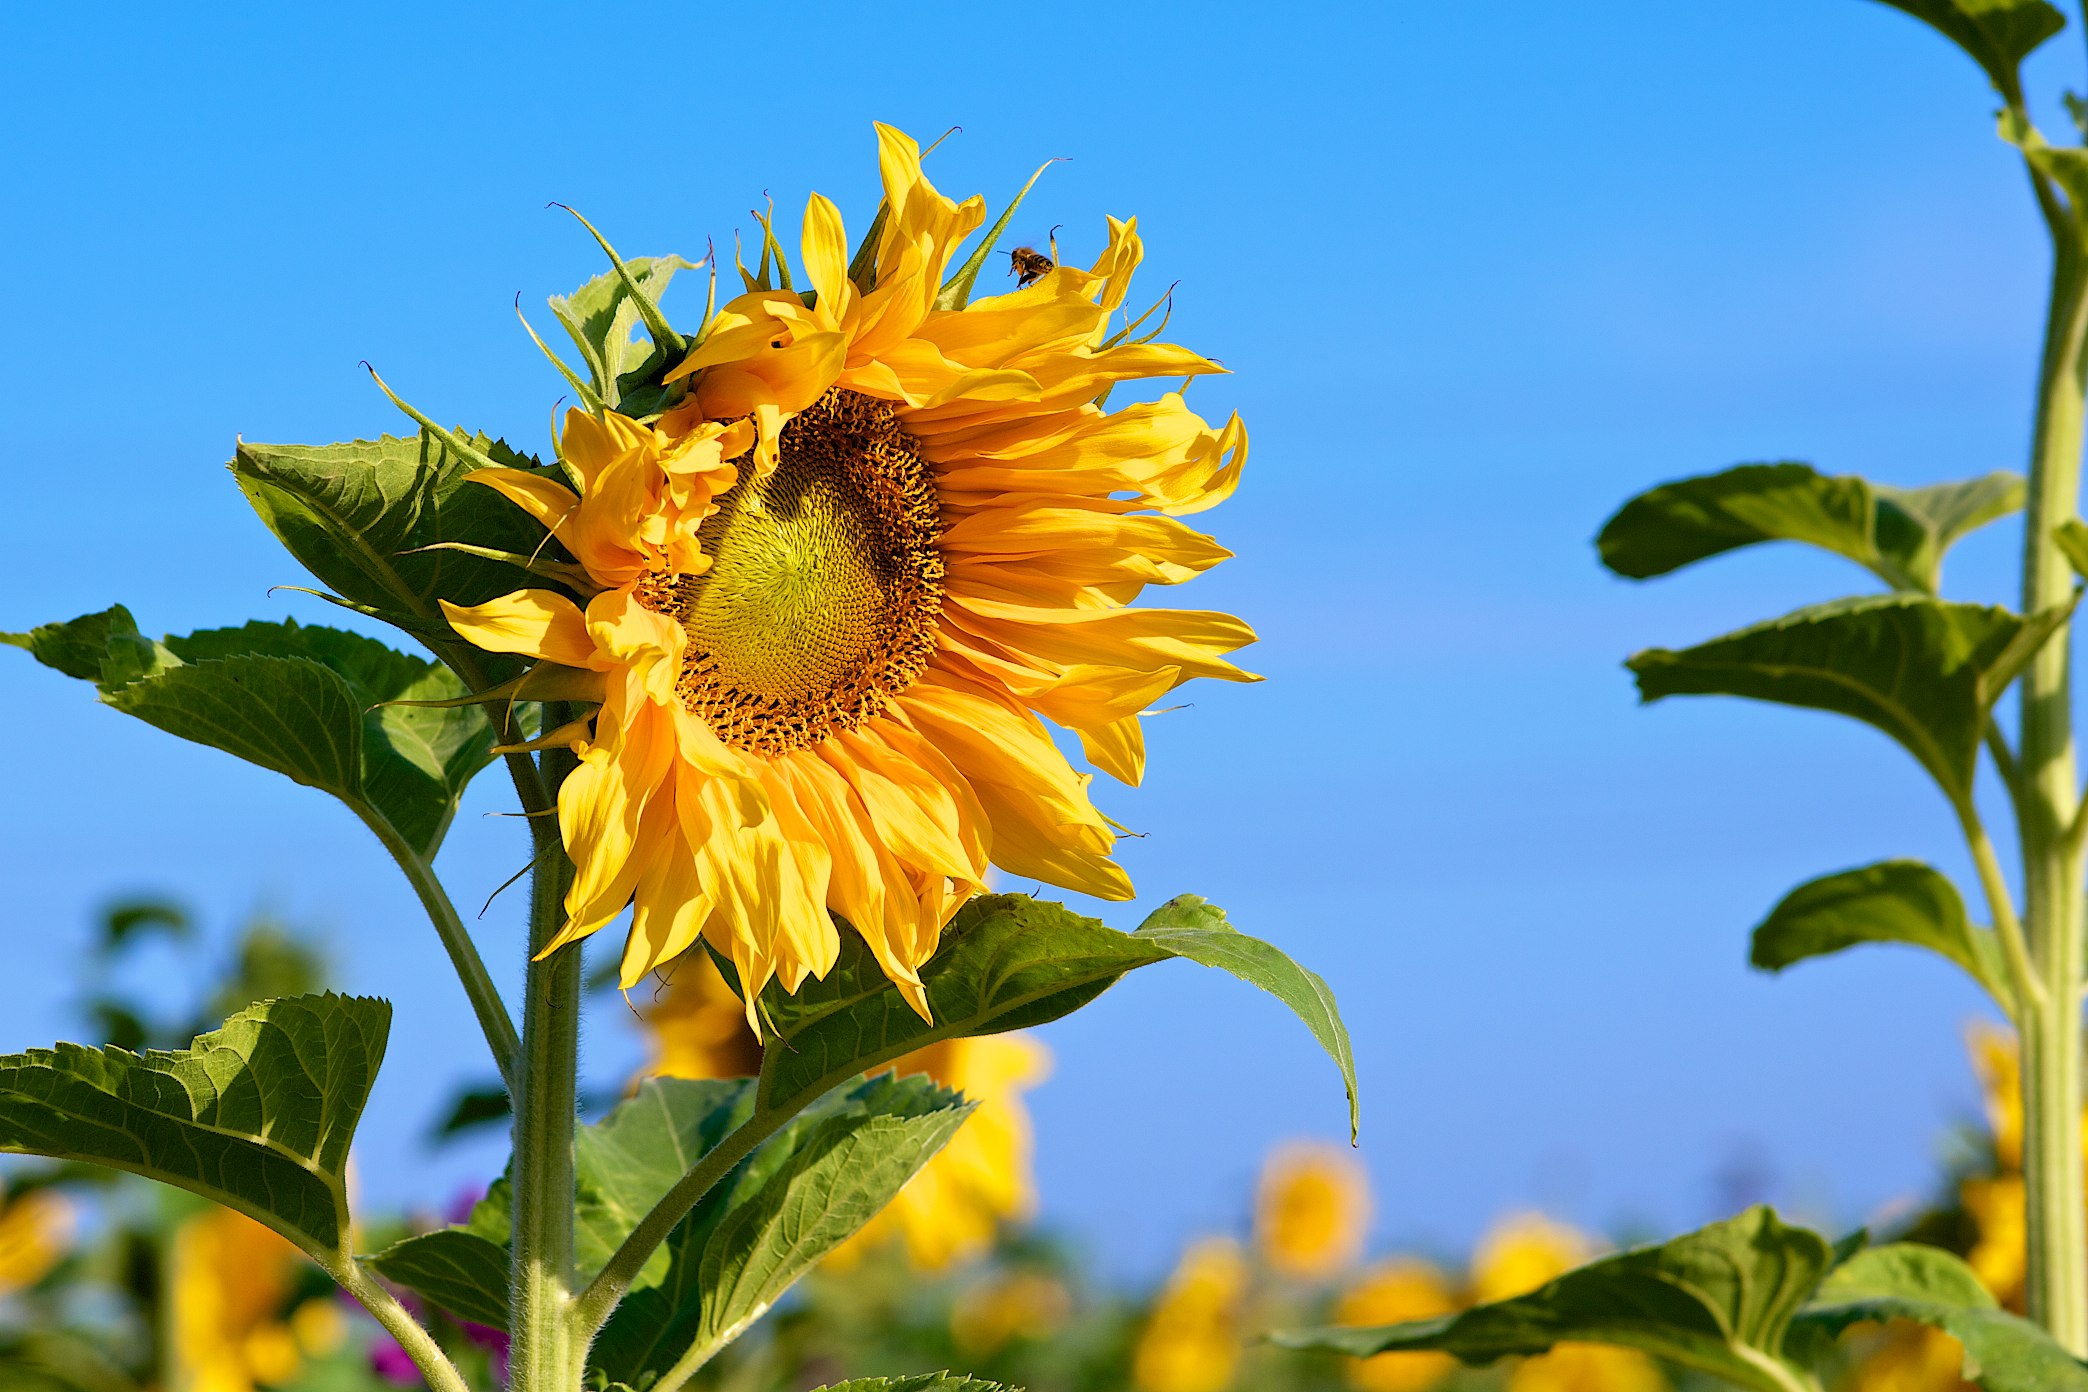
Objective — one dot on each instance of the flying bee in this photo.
(1027, 264)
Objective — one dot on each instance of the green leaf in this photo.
(1923, 670)
(604, 320)
(1907, 1281)
(920, 1382)
(2071, 536)
(308, 702)
(798, 1196)
(1905, 1271)
(1997, 34)
(256, 1115)
(358, 515)
(1900, 901)
(1718, 1300)
(79, 646)
(1008, 962)
(1899, 534)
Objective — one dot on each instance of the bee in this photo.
(1027, 264)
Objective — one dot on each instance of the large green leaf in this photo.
(1998, 34)
(256, 1115)
(1905, 1281)
(1899, 534)
(797, 1197)
(1900, 901)
(1923, 670)
(1008, 962)
(360, 515)
(308, 702)
(1719, 1300)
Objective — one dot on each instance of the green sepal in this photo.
(603, 318)
(1997, 34)
(374, 727)
(1719, 1300)
(256, 1115)
(1009, 962)
(1893, 901)
(1923, 670)
(1898, 534)
(956, 291)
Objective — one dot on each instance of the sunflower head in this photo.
(832, 598)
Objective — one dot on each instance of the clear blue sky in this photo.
(1482, 271)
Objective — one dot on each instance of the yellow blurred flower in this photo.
(698, 1026)
(1015, 1305)
(1909, 1358)
(1995, 1060)
(35, 1230)
(1191, 1342)
(951, 1210)
(1587, 1368)
(1996, 1202)
(1393, 1291)
(2001, 1254)
(1313, 1209)
(230, 1280)
(1522, 1252)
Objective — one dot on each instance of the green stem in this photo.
(544, 1355)
(494, 1020)
(2047, 798)
(593, 1307)
(420, 1346)
(2024, 984)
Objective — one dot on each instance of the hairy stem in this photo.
(420, 1345)
(2048, 795)
(494, 1020)
(544, 1355)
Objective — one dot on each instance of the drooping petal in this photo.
(534, 623)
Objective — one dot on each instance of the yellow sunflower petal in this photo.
(547, 500)
(534, 623)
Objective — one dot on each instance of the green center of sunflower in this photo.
(825, 583)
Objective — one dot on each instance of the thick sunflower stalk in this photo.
(772, 649)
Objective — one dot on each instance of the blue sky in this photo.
(1482, 272)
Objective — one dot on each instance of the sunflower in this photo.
(829, 599)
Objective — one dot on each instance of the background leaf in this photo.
(1009, 962)
(1900, 901)
(1719, 1300)
(1899, 534)
(257, 1115)
(1998, 34)
(1925, 671)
